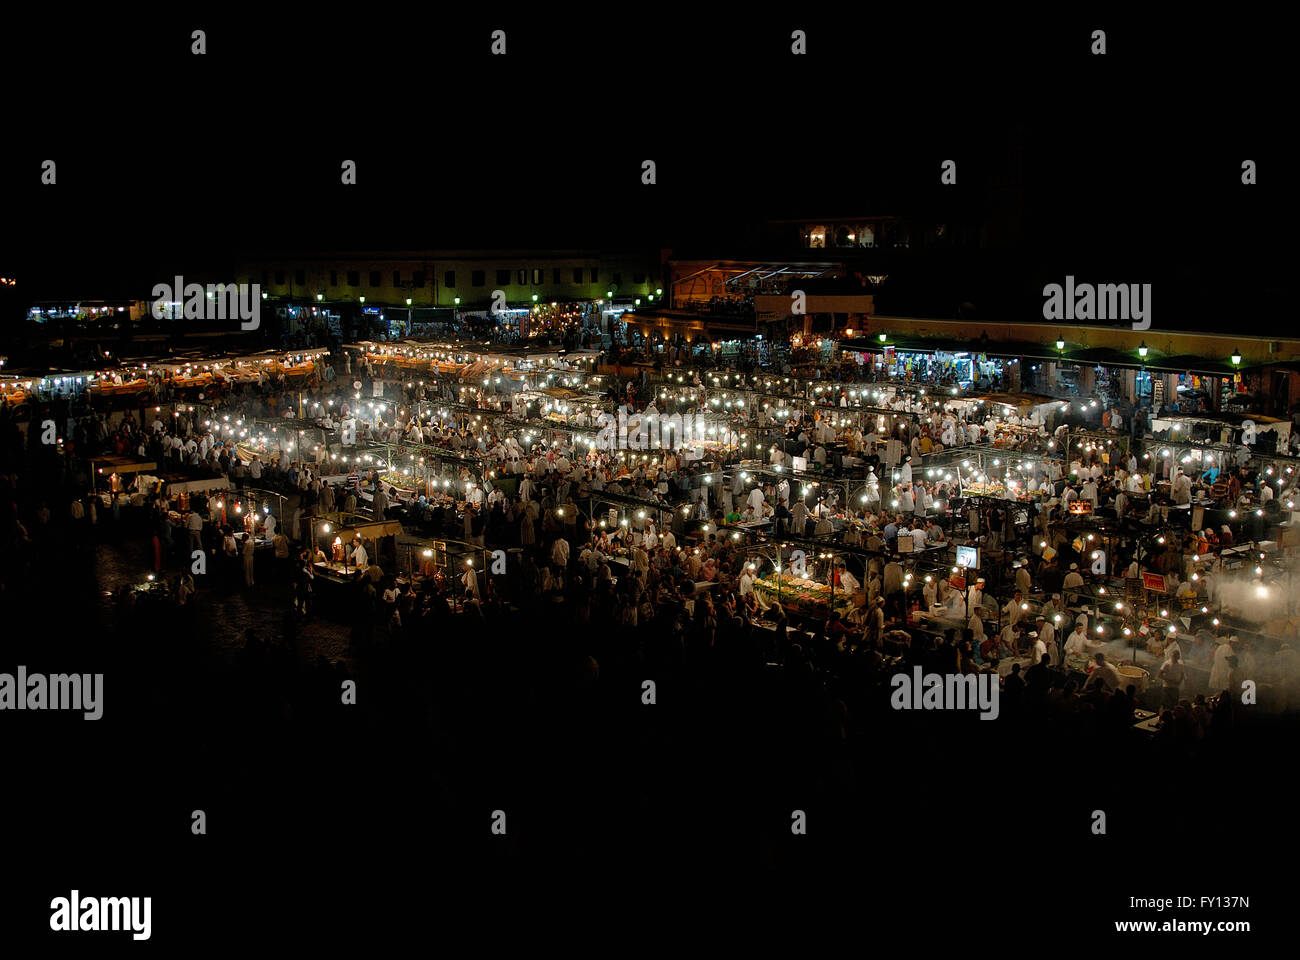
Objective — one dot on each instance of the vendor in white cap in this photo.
(975, 595)
(1023, 581)
(1051, 610)
(1171, 645)
(1072, 583)
(1047, 636)
(1040, 648)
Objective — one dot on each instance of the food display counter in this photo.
(802, 595)
(1000, 491)
(336, 572)
(102, 388)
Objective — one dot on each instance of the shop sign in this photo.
(1154, 582)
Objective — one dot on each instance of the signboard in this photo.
(1157, 389)
(1154, 581)
(1198, 518)
(1080, 506)
(1133, 587)
(957, 582)
(968, 558)
(377, 388)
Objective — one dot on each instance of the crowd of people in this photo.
(664, 550)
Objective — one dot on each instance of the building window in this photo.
(266, 277)
(595, 274)
(618, 278)
(449, 279)
(523, 277)
(577, 274)
(334, 278)
(354, 278)
(300, 277)
(279, 278)
(503, 278)
(537, 276)
(374, 278)
(638, 279)
(397, 278)
(555, 276)
(478, 278)
(417, 279)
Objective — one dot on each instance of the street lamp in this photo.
(881, 336)
(1236, 356)
(1142, 349)
(1060, 342)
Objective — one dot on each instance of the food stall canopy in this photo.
(370, 531)
(1022, 402)
(119, 465)
(199, 486)
(1184, 426)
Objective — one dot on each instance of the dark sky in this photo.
(1124, 167)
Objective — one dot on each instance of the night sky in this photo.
(1123, 168)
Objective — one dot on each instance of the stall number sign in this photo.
(1154, 581)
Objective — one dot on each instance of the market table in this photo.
(1149, 724)
(337, 572)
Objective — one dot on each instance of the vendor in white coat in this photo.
(1222, 669)
(358, 556)
(848, 582)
